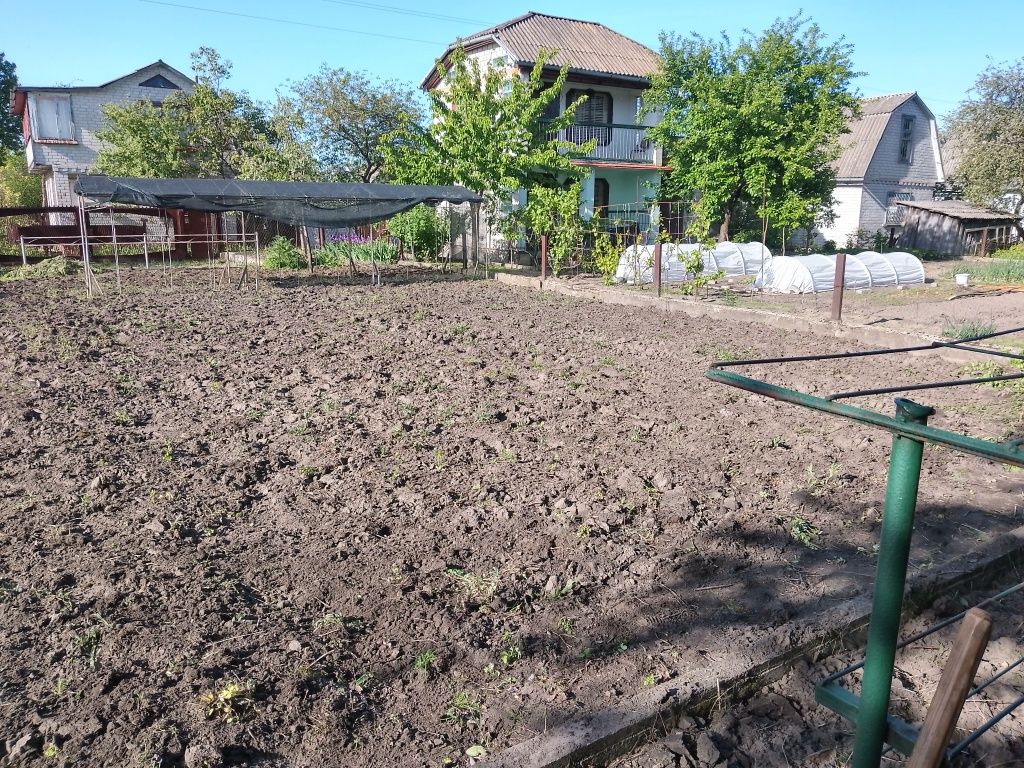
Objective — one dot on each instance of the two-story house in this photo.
(59, 124)
(891, 154)
(613, 71)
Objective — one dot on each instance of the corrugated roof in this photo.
(860, 143)
(583, 46)
(958, 209)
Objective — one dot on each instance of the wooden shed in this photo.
(955, 227)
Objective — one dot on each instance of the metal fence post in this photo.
(21, 243)
(890, 580)
(838, 285)
(657, 266)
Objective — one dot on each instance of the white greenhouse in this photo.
(816, 272)
(735, 259)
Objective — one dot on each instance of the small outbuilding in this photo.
(955, 227)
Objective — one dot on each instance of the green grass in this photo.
(1001, 271)
(953, 328)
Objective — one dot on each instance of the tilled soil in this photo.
(784, 727)
(322, 524)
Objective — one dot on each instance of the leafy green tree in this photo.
(279, 153)
(756, 124)
(422, 229)
(207, 133)
(988, 131)
(345, 116)
(555, 212)
(10, 125)
(18, 188)
(486, 133)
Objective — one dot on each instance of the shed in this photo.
(955, 227)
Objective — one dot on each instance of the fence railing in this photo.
(614, 142)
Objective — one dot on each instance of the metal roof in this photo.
(860, 143)
(583, 46)
(959, 209)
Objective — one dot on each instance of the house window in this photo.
(50, 115)
(596, 110)
(554, 107)
(907, 139)
(159, 81)
(601, 192)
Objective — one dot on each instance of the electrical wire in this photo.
(405, 11)
(292, 22)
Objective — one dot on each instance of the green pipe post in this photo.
(890, 580)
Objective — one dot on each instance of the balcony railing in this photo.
(615, 143)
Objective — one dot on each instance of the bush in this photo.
(58, 266)
(282, 254)
(1015, 251)
(606, 256)
(422, 229)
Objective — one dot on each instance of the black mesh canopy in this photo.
(293, 202)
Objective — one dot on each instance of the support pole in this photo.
(890, 580)
(117, 260)
(145, 248)
(543, 258)
(657, 266)
(838, 286)
(21, 243)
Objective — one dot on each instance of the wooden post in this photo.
(837, 288)
(543, 258)
(984, 242)
(957, 677)
(657, 267)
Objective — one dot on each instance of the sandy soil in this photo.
(324, 524)
(784, 727)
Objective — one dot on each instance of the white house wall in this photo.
(847, 214)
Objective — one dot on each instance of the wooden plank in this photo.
(957, 677)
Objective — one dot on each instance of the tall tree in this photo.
(206, 133)
(344, 117)
(486, 133)
(10, 125)
(753, 125)
(18, 188)
(988, 131)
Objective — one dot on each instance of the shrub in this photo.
(282, 254)
(606, 256)
(337, 252)
(421, 228)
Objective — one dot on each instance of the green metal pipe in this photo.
(890, 580)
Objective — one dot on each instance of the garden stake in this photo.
(890, 580)
(543, 257)
(657, 267)
(838, 284)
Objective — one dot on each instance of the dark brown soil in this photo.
(784, 727)
(231, 522)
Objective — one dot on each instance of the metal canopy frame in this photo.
(910, 430)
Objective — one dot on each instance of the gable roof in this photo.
(959, 209)
(17, 104)
(582, 46)
(860, 143)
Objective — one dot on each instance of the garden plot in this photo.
(325, 524)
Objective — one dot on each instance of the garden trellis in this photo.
(870, 710)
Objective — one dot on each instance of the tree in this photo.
(18, 188)
(487, 134)
(754, 125)
(206, 133)
(344, 117)
(10, 125)
(988, 130)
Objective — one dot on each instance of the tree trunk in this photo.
(723, 230)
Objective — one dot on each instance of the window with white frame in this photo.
(907, 139)
(50, 117)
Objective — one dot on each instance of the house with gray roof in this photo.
(59, 124)
(612, 71)
(890, 155)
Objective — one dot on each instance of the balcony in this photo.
(615, 143)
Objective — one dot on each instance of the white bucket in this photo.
(962, 279)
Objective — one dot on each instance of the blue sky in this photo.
(936, 48)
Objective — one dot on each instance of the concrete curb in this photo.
(607, 734)
(864, 334)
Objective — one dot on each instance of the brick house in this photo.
(59, 124)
